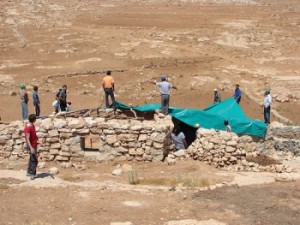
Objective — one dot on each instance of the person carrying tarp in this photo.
(237, 94)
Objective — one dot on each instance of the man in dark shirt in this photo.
(237, 94)
(63, 98)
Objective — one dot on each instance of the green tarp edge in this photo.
(211, 117)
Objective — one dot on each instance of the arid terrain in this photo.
(166, 194)
(200, 45)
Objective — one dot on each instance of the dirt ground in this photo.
(95, 196)
(199, 44)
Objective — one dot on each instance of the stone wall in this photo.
(61, 139)
(284, 138)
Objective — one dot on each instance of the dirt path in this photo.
(94, 196)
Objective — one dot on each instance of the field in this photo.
(200, 45)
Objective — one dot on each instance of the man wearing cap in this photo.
(164, 90)
(267, 107)
(108, 85)
(217, 96)
(24, 100)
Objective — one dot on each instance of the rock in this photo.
(230, 149)
(53, 170)
(180, 153)
(66, 165)
(117, 171)
(232, 143)
(283, 178)
(13, 93)
(171, 161)
(127, 167)
(279, 168)
(288, 170)
(59, 123)
(42, 165)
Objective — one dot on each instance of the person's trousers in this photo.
(165, 99)
(63, 106)
(37, 109)
(109, 92)
(24, 110)
(32, 164)
(267, 111)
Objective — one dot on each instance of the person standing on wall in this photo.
(267, 107)
(217, 96)
(108, 85)
(164, 90)
(237, 94)
(31, 143)
(24, 100)
(36, 100)
(63, 98)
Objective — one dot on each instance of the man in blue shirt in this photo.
(237, 94)
(36, 100)
(164, 90)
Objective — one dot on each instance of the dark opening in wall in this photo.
(189, 132)
(90, 143)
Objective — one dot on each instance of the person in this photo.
(69, 109)
(24, 100)
(164, 90)
(63, 98)
(178, 138)
(237, 94)
(36, 100)
(217, 96)
(267, 107)
(31, 143)
(108, 85)
(227, 126)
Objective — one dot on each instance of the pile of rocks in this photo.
(226, 150)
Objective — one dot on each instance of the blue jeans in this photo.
(267, 114)
(165, 99)
(24, 110)
(109, 92)
(37, 109)
(32, 164)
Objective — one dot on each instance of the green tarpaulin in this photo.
(211, 117)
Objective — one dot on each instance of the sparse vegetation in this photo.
(179, 180)
(262, 160)
(3, 186)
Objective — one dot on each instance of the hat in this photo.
(216, 89)
(164, 77)
(22, 86)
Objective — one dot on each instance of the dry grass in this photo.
(262, 160)
(179, 180)
(3, 186)
(70, 178)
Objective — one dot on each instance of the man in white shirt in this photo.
(267, 107)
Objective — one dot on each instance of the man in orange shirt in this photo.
(109, 88)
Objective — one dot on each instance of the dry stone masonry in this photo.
(66, 140)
